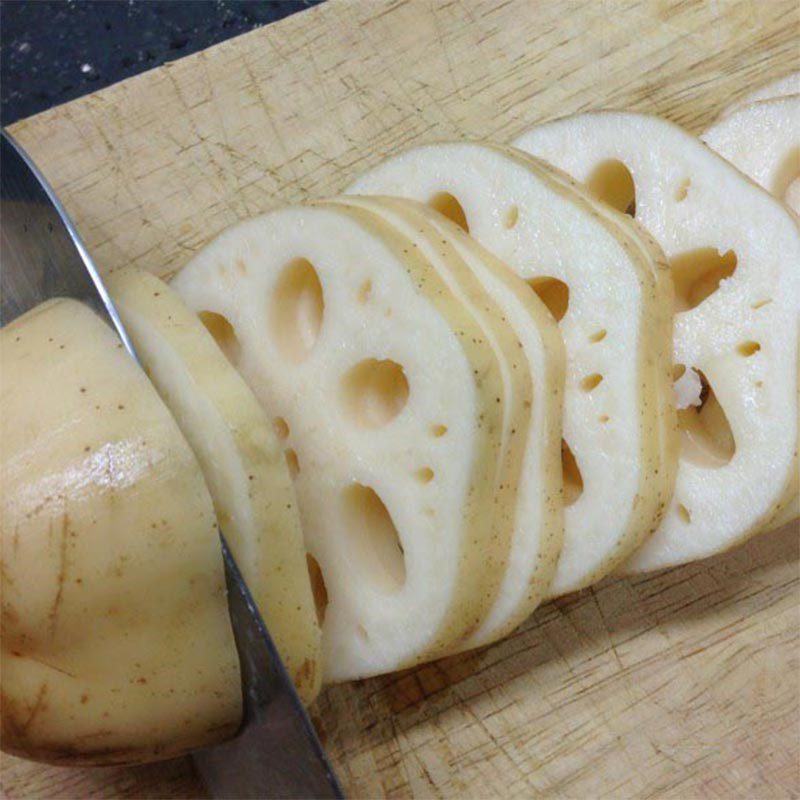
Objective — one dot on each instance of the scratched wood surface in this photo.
(681, 684)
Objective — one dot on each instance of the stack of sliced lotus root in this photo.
(502, 373)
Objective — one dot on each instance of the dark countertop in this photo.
(51, 52)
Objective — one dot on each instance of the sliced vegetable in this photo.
(242, 460)
(116, 641)
(606, 286)
(734, 252)
(393, 403)
(534, 363)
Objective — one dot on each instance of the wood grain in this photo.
(681, 684)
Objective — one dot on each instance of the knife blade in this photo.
(276, 752)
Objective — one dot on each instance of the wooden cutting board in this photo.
(680, 684)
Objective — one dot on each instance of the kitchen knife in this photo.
(276, 752)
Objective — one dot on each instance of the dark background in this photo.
(51, 52)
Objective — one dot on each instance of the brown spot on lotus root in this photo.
(364, 292)
(591, 382)
(425, 475)
(293, 463)
(281, 427)
(598, 336)
(318, 588)
(511, 217)
(748, 348)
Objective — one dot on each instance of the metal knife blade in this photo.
(276, 752)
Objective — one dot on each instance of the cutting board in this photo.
(679, 684)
